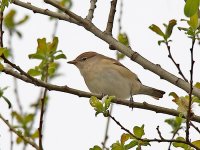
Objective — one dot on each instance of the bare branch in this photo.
(1, 30)
(111, 17)
(189, 114)
(19, 133)
(91, 10)
(45, 11)
(177, 65)
(196, 128)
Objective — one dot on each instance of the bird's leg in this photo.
(131, 100)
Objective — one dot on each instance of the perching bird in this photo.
(104, 75)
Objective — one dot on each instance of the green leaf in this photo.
(94, 102)
(193, 22)
(53, 45)
(182, 145)
(28, 118)
(4, 3)
(117, 146)
(124, 138)
(96, 147)
(35, 134)
(23, 20)
(174, 95)
(191, 7)
(197, 85)
(7, 101)
(108, 102)
(52, 68)
(196, 143)
(131, 144)
(123, 38)
(1, 67)
(9, 19)
(156, 29)
(42, 46)
(60, 56)
(175, 123)
(17, 116)
(33, 72)
(169, 28)
(120, 56)
(138, 131)
(36, 56)
(19, 140)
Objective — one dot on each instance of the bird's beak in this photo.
(72, 62)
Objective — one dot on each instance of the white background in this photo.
(70, 121)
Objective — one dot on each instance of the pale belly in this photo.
(110, 83)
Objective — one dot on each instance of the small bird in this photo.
(104, 75)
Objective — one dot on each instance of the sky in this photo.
(70, 121)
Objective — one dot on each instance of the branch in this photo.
(111, 17)
(90, 15)
(79, 93)
(45, 12)
(177, 65)
(1, 30)
(19, 133)
(152, 140)
(196, 128)
(190, 92)
(129, 52)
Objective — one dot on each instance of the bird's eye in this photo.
(84, 58)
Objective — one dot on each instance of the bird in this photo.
(107, 76)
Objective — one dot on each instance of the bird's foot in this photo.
(131, 102)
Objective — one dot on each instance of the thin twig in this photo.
(190, 93)
(47, 12)
(55, 28)
(152, 140)
(176, 64)
(28, 140)
(159, 133)
(40, 129)
(111, 17)
(90, 15)
(196, 128)
(174, 134)
(80, 93)
(107, 128)
(120, 16)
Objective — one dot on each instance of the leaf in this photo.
(138, 131)
(182, 145)
(174, 95)
(117, 146)
(124, 138)
(169, 28)
(23, 20)
(191, 7)
(108, 102)
(156, 29)
(96, 147)
(42, 46)
(7, 101)
(123, 38)
(60, 56)
(1, 67)
(53, 45)
(131, 144)
(19, 140)
(36, 56)
(175, 123)
(17, 116)
(28, 118)
(193, 22)
(52, 68)
(197, 85)
(35, 134)
(196, 143)
(9, 19)
(120, 56)
(33, 72)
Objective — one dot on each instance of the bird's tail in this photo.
(155, 93)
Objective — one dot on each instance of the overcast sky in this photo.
(70, 120)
